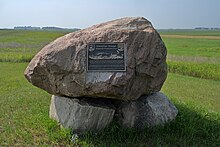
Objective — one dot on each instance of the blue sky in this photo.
(83, 13)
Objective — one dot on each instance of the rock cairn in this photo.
(89, 100)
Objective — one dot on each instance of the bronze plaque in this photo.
(106, 57)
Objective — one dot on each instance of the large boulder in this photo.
(81, 115)
(60, 67)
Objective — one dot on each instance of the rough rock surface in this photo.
(60, 67)
(147, 111)
(81, 115)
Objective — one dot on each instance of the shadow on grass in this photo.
(191, 127)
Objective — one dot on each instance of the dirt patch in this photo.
(184, 36)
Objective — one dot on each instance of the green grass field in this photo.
(189, 32)
(195, 56)
(21, 46)
(193, 85)
(193, 47)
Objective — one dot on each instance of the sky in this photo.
(164, 14)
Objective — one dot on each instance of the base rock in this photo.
(147, 111)
(81, 115)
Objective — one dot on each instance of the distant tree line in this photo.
(26, 28)
(43, 28)
(205, 28)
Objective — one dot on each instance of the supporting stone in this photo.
(81, 114)
(147, 111)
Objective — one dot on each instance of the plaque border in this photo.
(87, 58)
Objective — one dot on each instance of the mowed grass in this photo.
(24, 111)
(204, 93)
(24, 119)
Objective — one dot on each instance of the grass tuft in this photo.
(16, 57)
(200, 70)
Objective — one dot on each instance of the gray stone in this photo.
(60, 67)
(147, 111)
(81, 115)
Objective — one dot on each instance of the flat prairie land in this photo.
(189, 32)
(196, 54)
(193, 85)
(21, 46)
(185, 36)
